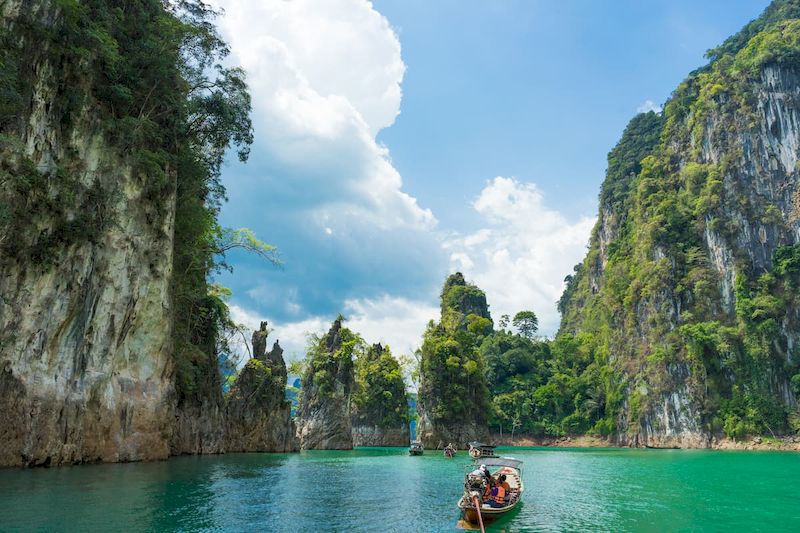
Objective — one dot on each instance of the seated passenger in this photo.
(498, 496)
(503, 483)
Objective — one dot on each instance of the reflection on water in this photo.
(385, 489)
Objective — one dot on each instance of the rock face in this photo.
(453, 396)
(459, 433)
(381, 436)
(690, 284)
(258, 415)
(379, 407)
(87, 252)
(199, 427)
(85, 313)
(323, 418)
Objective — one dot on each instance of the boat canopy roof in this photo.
(476, 444)
(502, 461)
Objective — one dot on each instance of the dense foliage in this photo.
(646, 302)
(452, 370)
(148, 76)
(549, 388)
(379, 396)
(328, 373)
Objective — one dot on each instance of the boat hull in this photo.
(470, 514)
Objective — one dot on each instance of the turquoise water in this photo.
(384, 489)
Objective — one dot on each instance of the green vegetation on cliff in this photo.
(685, 207)
(452, 370)
(149, 77)
(379, 396)
(328, 372)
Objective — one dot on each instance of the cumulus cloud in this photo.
(390, 320)
(648, 105)
(325, 78)
(521, 257)
(394, 321)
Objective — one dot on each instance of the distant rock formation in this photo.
(324, 413)
(258, 415)
(379, 408)
(453, 396)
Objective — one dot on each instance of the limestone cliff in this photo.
(257, 413)
(85, 268)
(379, 406)
(323, 417)
(109, 329)
(690, 286)
(453, 396)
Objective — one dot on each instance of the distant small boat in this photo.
(475, 488)
(479, 450)
(449, 451)
(416, 448)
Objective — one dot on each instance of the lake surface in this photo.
(384, 489)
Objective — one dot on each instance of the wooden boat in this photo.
(479, 450)
(475, 485)
(416, 448)
(449, 451)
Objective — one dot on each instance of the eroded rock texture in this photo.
(323, 421)
(689, 289)
(258, 415)
(85, 313)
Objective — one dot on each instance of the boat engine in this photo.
(475, 483)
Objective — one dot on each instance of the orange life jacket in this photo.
(500, 495)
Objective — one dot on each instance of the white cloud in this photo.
(521, 258)
(325, 79)
(648, 105)
(394, 321)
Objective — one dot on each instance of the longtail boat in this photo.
(476, 486)
(416, 448)
(479, 450)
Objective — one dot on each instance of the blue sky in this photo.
(400, 140)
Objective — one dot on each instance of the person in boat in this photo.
(482, 471)
(497, 497)
(503, 483)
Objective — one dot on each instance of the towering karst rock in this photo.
(689, 292)
(111, 141)
(379, 404)
(453, 397)
(258, 415)
(85, 266)
(323, 417)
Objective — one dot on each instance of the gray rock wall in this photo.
(85, 339)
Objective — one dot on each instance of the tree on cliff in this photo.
(526, 323)
(379, 396)
(453, 397)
